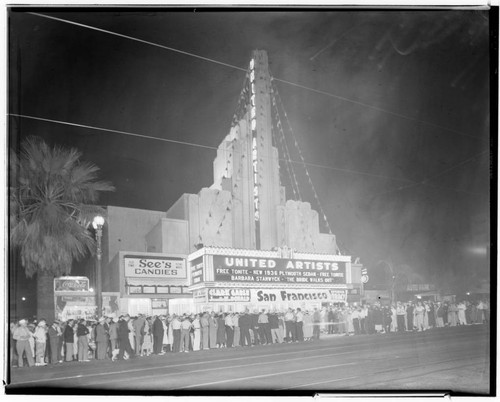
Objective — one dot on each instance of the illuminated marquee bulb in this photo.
(254, 124)
(252, 63)
(252, 113)
(252, 76)
(252, 99)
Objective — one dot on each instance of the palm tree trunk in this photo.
(45, 296)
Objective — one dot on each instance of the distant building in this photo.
(239, 243)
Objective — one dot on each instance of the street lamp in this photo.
(97, 224)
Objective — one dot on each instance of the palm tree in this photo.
(51, 197)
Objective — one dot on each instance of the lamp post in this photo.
(97, 224)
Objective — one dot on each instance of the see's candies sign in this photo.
(154, 267)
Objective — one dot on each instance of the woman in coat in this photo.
(307, 326)
(165, 340)
(170, 334)
(131, 335)
(212, 327)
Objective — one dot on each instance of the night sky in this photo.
(403, 142)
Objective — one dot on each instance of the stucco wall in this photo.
(154, 239)
(298, 227)
(111, 275)
(175, 236)
(127, 229)
(213, 210)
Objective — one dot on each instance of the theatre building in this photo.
(238, 243)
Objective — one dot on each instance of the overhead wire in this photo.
(427, 179)
(325, 93)
(195, 145)
(294, 138)
(413, 183)
(329, 94)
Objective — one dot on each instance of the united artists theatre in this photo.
(238, 243)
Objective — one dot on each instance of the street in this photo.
(446, 359)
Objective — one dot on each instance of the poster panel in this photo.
(228, 295)
(111, 304)
(75, 307)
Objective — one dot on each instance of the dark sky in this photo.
(425, 74)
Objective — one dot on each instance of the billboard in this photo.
(278, 270)
(71, 284)
(155, 267)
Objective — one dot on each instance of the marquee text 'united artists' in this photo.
(270, 263)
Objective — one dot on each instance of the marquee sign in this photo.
(255, 166)
(278, 270)
(155, 267)
(71, 284)
(277, 295)
(232, 295)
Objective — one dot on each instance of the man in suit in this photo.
(138, 325)
(101, 339)
(158, 332)
(123, 338)
(204, 331)
(245, 322)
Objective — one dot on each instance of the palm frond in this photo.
(52, 194)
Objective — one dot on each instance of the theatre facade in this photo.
(240, 242)
(226, 279)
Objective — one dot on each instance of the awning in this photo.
(154, 282)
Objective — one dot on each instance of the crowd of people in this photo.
(38, 344)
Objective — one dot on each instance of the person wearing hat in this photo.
(101, 339)
(197, 333)
(157, 331)
(212, 329)
(185, 330)
(204, 331)
(22, 336)
(400, 316)
(83, 341)
(176, 333)
(55, 342)
(123, 338)
(139, 324)
(40, 342)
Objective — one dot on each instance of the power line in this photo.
(378, 109)
(139, 40)
(113, 131)
(244, 69)
(215, 148)
(425, 181)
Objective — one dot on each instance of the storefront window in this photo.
(139, 306)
